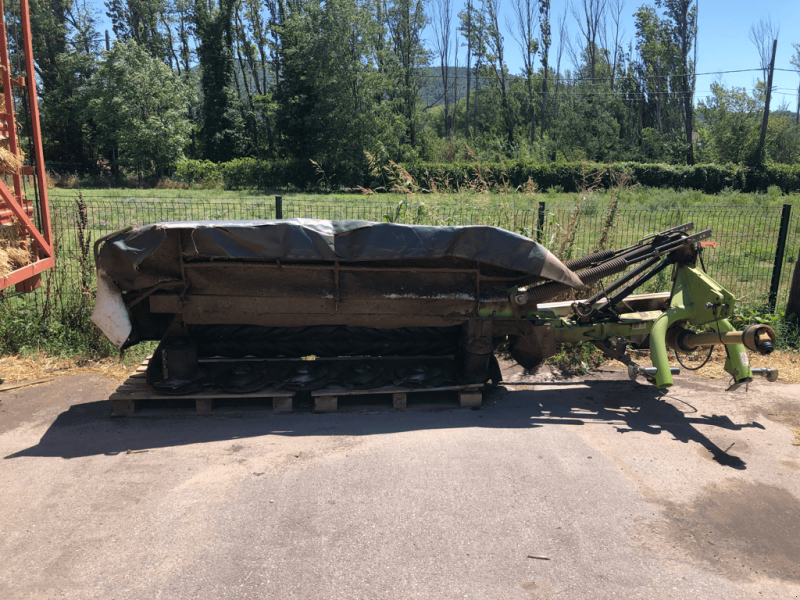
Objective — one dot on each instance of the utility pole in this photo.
(760, 156)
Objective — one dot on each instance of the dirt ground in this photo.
(589, 487)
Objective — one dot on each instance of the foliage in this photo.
(222, 131)
(289, 82)
(505, 176)
(201, 172)
(786, 327)
(136, 111)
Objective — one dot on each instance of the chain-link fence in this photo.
(743, 261)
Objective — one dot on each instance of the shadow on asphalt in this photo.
(86, 429)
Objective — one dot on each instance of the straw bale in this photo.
(9, 162)
(12, 256)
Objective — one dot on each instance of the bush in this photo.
(254, 173)
(572, 176)
(200, 172)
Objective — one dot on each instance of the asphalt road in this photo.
(591, 488)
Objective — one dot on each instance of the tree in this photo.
(65, 45)
(547, 38)
(795, 62)
(496, 47)
(615, 43)
(762, 34)
(139, 20)
(591, 20)
(442, 31)
(525, 14)
(473, 29)
(331, 105)
(682, 19)
(404, 21)
(221, 131)
(658, 60)
(136, 110)
(465, 29)
(731, 123)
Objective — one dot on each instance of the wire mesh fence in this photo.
(743, 261)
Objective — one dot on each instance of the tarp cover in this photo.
(318, 240)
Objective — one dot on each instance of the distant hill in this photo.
(432, 92)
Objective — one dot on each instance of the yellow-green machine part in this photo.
(667, 322)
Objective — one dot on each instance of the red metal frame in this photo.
(13, 205)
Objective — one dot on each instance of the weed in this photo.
(576, 358)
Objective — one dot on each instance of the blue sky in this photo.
(723, 43)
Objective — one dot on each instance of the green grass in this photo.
(639, 196)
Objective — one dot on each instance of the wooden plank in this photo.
(282, 405)
(139, 390)
(399, 400)
(122, 407)
(341, 391)
(325, 403)
(469, 399)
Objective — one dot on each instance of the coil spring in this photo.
(551, 289)
(585, 261)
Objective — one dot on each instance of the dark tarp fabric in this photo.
(317, 240)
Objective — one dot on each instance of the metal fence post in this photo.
(540, 228)
(779, 251)
(278, 207)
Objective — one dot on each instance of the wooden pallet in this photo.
(130, 396)
(327, 399)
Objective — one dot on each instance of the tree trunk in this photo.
(544, 99)
(475, 113)
(793, 305)
(797, 115)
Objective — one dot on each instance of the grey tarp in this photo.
(318, 240)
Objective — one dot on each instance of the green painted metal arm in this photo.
(737, 364)
(658, 343)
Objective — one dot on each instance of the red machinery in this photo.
(24, 211)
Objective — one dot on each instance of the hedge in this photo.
(253, 173)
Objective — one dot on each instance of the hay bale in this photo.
(14, 253)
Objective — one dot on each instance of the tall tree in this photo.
(221, 127)
(682, 18)
(473, 29)
(547, 38)
(657, 63)
(795, 62)
(525, 12)
(762, 35)
(496, 46)
(405, 20)
(465, 29)
(442, 32)
(590, 16)
(136, 110)
(613, 39)
(65, 45)
(140, 20)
